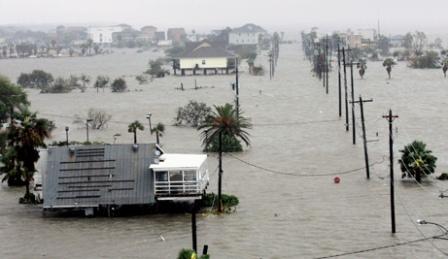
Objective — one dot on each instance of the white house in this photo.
(103, 34)
(204, 57)
(180, 176)
(248, 34)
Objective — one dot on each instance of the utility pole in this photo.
(270, 66)
(353, 100)
(237, 100)
(390, 118)
(364, 136)
(327, 66)
(66, 135)
(193, 227)
(87, 129)
(220, 174)
(345, 87)
(339, 80)
(324, 63)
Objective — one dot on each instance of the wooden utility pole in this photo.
(193, 227)
(352, 83)
(345, 87)
(220, 173)
(327, 67)
(390, 118)
(237, 98)
(339, 80)
(364, 136)
(270, 66)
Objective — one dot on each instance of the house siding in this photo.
(190, 63)
(243, 38)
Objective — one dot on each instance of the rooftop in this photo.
(177, 161)
(249, 28)
(205, 50)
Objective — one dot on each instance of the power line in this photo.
(379, 247)
(304, 175)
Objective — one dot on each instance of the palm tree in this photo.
(11, 97)
(25, 139)
(159, 129)
(416, 161)
(388, 63)
(133, 127)
(224, 121)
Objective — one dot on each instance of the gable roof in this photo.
(205, 49)
(249, 28)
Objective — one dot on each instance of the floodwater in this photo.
(287, 212)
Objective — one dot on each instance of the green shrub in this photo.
(189, 254)
(210, 200)
(119, 85)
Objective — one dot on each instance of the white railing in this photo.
(174, 188)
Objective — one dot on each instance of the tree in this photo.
(101, 82)
(388, 63)
(60, 85)
(98, 119)
(416, 161)
(430, 59)
(36, 79)
(193, 114)
(224, 121)
(85, 79)
(159, 129)
(156, 69)
(25, 138)
(133, 127)
(11, 98)
(119, 85)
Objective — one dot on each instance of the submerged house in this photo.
(204, 58)
(95, 177)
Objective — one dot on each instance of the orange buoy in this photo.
(337, 179)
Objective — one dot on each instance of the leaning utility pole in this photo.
(364, 137)
(339, 80)
(390, 118)
(345, 87)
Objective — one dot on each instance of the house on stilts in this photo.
(204, 58)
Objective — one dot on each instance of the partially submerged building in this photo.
(109, 176)
(204, 58)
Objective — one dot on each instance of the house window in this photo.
(162, 176)
(189, 175)
(203, 62)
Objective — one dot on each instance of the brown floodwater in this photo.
(288, 211)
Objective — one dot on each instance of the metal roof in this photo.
(179, 161)
(89, 176)
(205, 49)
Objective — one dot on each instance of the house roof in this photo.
(89, 176)
(205, 50)
(249, 28)
(179, 161)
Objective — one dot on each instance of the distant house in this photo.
(177, 35)
(104, 177)
(160, 35)
(103, 34)
(204, 57)
(148, 33)
(248, 34)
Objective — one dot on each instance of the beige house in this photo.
(204, 58)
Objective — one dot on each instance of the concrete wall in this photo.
(190, 63)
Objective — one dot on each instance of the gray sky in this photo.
(395, 15)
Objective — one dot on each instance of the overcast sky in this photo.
(394, 15)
